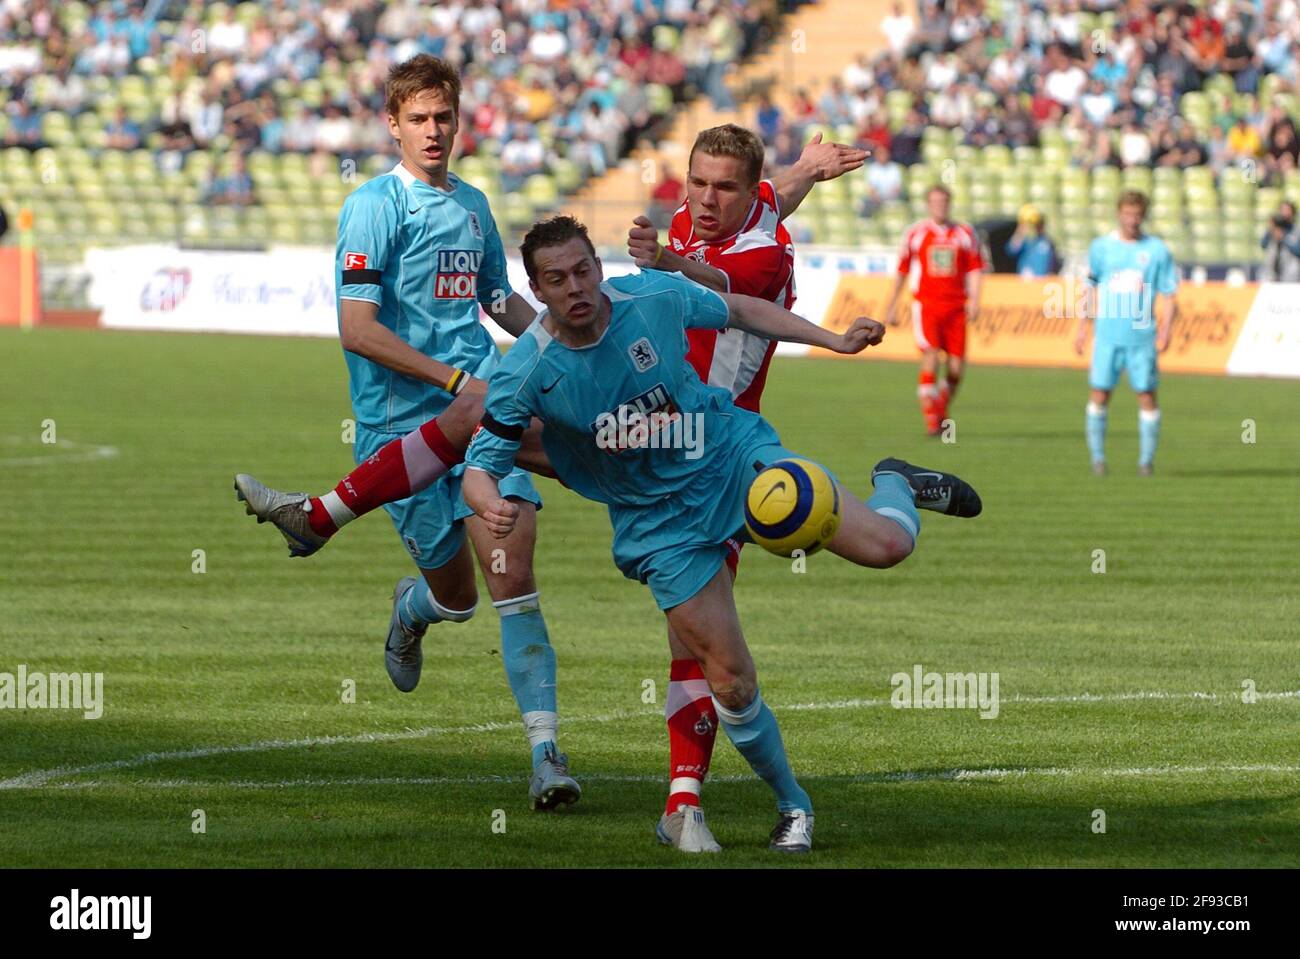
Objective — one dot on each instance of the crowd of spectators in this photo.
(541, 80)
(1114, 93)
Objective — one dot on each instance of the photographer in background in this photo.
(1034, 251)
(1281, 245)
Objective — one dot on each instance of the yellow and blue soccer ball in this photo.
(792, 505)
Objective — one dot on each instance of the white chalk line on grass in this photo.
(65, 451)
(904, 776)
(40, 777)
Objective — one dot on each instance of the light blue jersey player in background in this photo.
(614, 352)
(418, 252)
(1128, 270)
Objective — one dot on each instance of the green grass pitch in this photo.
(1121, 691)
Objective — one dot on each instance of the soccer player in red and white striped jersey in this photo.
(727, 236)
(945, 298)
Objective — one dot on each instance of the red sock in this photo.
(928, 394)
(398, 469)
(692, 729)
(946, 391)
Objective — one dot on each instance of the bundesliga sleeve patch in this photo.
(355, 261)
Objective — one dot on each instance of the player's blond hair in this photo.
(730, 140)
(412, 77)
(1134, 198)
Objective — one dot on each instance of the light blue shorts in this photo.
(432, 522)
(677, 545)
(1110, 359)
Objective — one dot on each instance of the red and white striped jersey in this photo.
(946, 253)
(758, 261)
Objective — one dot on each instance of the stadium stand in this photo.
(245, 124)
(1065, 106)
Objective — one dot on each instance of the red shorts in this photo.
(940, 326)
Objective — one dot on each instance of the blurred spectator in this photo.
(834, 104)
(206, 120)
(121, 133)
(875, 133)
(785, 149)
(1034, 251)
(905, 145)
(1238, 59)
(1281, 246)
(724, 50)
(884, 181)
(1244, 141)
(1134, 146)
(234, 189)
(334, 134)
(24, 126)
(767, 118)
(1283, 154)
(1097, 103)
(859, 77)
(228, 36)
(1064, 81)
(521, 157)
(665, 198)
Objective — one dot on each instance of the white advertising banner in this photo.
(1269, 342)
(287, 290)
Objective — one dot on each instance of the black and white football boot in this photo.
(934, 490)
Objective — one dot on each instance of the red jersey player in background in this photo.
(946, 297)
(728, 237)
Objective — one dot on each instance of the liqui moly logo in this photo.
(457, 277)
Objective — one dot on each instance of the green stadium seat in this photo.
(997, 157)
(542, 192)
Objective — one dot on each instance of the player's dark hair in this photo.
(1133, 198)
(730, 140)
(412, 77)
(556, 231)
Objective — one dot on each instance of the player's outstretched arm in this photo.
(771, 321)
(483, 496)
(818, 161)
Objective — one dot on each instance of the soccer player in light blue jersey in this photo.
(614, 352)
(1129, 271)
(418, 253)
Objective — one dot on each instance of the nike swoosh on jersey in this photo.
(547, 389)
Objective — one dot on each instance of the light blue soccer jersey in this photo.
(428, 258)
(637, 367)
(1128, 275)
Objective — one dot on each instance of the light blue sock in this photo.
(895, 500)
(1148, 436)
(755, 734)
(529, 659)
(418, 607)
(1095, 429)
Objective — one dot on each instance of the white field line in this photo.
(65, 451)
(905, 776)
(40, 777)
